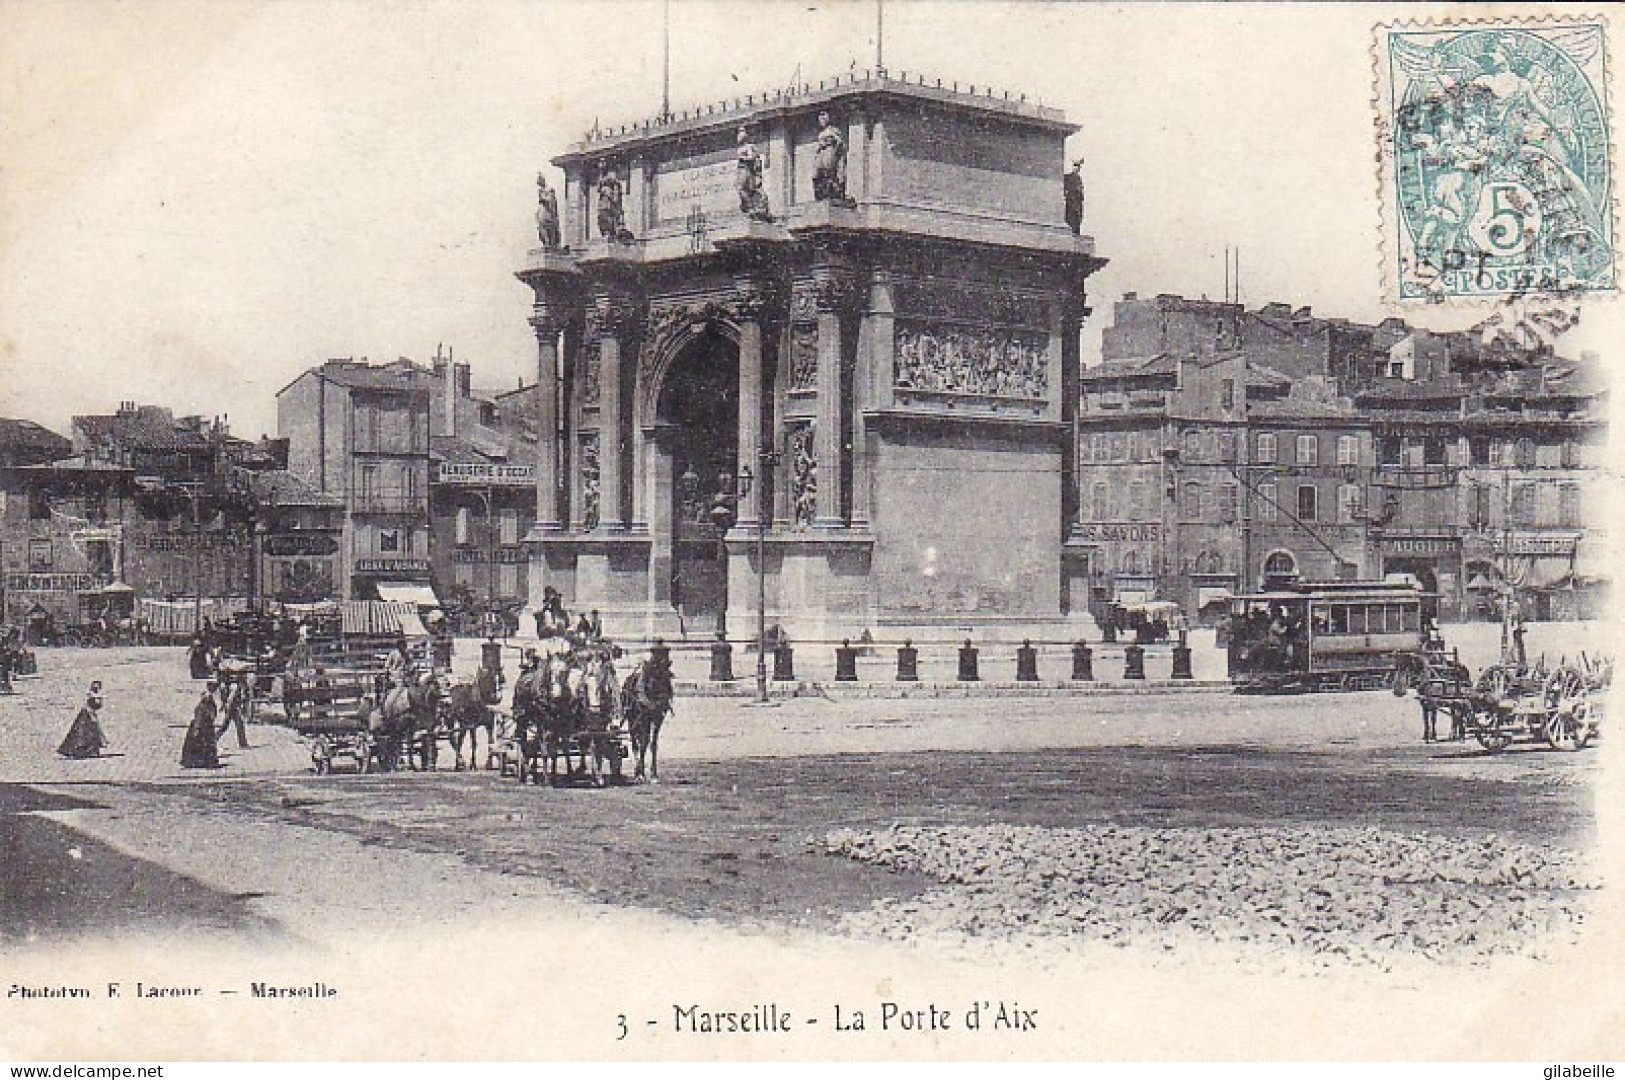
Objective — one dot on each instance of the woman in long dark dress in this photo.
(201, 750)
(85, 738)
(198, 659)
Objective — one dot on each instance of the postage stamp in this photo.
(1496, 160)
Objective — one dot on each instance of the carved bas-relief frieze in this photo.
(590, 366)
(803, 358)
(590, 493)
(801, 455)
(979, 361)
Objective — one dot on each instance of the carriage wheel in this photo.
(1493, 738)
(1570, 728)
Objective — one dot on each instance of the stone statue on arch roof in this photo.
(547, 214)
(748, 180)
(829, 163)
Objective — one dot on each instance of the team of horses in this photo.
(570, 709)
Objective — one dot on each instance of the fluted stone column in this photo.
(546, 325)
(832, 289)
(874, 363)
(615, 314)
(749, 306)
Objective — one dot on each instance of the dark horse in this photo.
(471, 707)
(405, 719)
(645, 702)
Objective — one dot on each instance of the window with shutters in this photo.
(1350, 502)
(1139, 504)
(1266, 448)
(508, 525)
(1308, 502)
(1308, 450)
(1390, 450)
(1348, 449)
(1190, 503)
(463, 515)
(1101, 504)
(1568, 506)
(1523, 504)
(1433, 451)
(1267, 504)
(1230, 501)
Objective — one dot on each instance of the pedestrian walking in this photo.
(234, 703)
(85, 738)
(201, 750)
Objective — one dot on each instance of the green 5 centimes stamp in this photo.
(1496, 159)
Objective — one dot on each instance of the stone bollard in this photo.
(1026, 663)
(908, 663)
(1134, 662)
(1109, 635)
(967, 663)
(722, 660)
(1083, 662)
(784, 664)
(1182, 657)
(846, 662)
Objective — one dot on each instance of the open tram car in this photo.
(1339, 635)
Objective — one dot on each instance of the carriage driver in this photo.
(395, 666)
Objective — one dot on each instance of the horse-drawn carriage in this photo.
(351, 716)
(1509, 702)
(570, 705)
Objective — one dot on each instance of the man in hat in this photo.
(1072, 188)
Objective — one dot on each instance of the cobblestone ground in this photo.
(1364, 896)
(1316, 827)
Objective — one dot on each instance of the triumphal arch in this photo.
(847, 315)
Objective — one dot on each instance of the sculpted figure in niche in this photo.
(547, 214)
(611, 207)
(748, 181)
(829, 165)
(1072, 187)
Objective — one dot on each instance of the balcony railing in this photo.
(1415, 477)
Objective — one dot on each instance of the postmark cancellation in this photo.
(1496, 159)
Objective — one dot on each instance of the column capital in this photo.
(612, 311)
(827, 290)
(753, 297)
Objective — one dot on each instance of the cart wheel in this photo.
(1570, 729)
(1493, 739)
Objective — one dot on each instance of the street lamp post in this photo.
(767, 460)
(490, 553)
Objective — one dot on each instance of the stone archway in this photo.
(692, 413)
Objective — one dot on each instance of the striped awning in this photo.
(376, 618)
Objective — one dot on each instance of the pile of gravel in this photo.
(1333, 895)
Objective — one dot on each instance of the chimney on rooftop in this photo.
(465, 379)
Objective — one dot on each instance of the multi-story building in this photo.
(1363, 451)
(361, 432)
(435, 479)
(300, 534)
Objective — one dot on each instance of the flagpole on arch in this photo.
(665, 60)
(880, 38)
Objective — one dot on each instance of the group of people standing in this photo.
(221, 706)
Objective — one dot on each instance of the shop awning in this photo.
(377, 618)
(1548, 572)
(408, 592)
(1207, 596)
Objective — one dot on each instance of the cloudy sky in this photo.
(199, 200)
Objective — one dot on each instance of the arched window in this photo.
(1131, 562)
(1280, 564)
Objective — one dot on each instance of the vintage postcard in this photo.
(832, 529)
